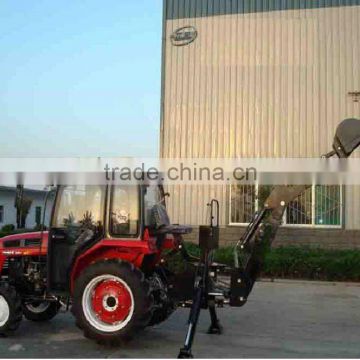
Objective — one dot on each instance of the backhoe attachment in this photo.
(250, 251)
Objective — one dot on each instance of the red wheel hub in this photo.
(111, 301)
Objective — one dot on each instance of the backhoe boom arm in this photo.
(261, 232)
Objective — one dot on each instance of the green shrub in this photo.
(301, 263)
(313, 264)
(8, 228)
(39, 227)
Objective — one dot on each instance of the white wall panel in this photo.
(262, 84)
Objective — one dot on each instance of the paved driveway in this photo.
(281, 319)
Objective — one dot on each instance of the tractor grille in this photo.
(32, 242)
(12, 243)
(6, 264)
(4, 271)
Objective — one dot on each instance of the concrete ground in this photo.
(282, 319)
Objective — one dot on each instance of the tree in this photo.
(22, 205)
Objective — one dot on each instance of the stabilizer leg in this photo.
(185, 352)
(215, 327)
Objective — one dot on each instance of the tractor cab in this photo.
(111, 217)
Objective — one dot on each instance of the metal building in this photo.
(261, 78)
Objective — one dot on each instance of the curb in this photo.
(309, 282)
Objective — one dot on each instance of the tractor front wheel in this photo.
(112, 301)
(10, 309)
(41, 310)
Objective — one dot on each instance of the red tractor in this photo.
(106, 256)
(102, 255)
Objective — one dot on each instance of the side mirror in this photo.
(347, 137)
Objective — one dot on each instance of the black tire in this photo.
(164, 306)
(12, 301)
(160, 315)
(141, 306)
(33, 312)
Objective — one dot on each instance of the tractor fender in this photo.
(105, 250)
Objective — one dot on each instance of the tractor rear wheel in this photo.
(41, 311)
(10, 309)
(112, 301)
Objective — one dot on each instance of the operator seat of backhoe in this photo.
(160, 223)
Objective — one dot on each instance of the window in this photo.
(243, 204)
(80, 205)
(153, 196)
(1, 213)
(318, 206)
(125, 211)
(299, 211)
(38, 215)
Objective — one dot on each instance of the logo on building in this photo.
(184, 36)
(355, 96)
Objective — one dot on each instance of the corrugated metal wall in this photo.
(177, 9)
(257, 83)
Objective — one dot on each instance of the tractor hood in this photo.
(30, 241)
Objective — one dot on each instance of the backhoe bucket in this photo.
(347, 137)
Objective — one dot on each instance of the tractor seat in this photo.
(160, 222)
(174, 229)
(84, 237)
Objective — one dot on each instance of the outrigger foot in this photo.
(216, 329)
(185, 354)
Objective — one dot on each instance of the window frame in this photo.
(298, 226)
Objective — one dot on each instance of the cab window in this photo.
(125, 211)
(153, 196)
(80, 206)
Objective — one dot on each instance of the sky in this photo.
(80, 78)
